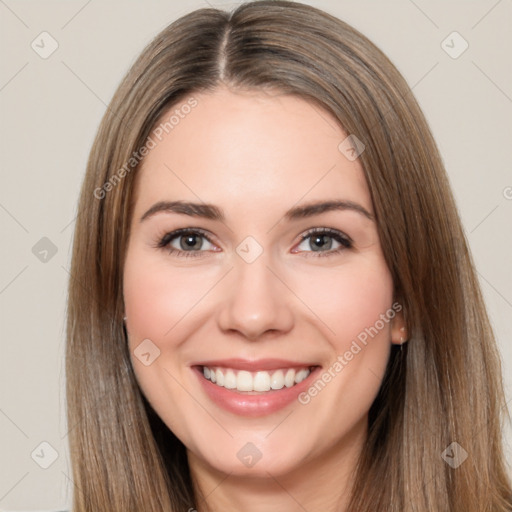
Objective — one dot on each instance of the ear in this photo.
(399, 334)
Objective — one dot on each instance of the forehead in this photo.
(245, 149)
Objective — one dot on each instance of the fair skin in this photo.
(256, 155)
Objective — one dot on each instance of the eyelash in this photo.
(344, 240)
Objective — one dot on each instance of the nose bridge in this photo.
(255, 300)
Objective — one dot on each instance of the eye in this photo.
(321, 241)
(185, 242)
(190, 242)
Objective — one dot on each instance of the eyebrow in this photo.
(212, 212)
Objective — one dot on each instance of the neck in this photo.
(321, 483)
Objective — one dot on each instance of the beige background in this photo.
(50, 110)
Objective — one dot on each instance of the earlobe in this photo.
(403, 335)
(399, 334)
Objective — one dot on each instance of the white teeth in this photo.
(244, 381)
(230, 380)
(289, 378)
(260, 381)
(277, 380)
(219, 377)
(301, 375)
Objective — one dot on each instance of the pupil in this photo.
(320, 240)
(190, 242)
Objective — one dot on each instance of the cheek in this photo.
(160, 306)
(157, 296)
(348, 301)
(156, 299)
(354, 310)
(364, 304)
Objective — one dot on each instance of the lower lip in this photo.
(261, 404)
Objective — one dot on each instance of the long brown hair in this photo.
(443, 387)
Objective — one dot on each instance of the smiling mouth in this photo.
(256, 382)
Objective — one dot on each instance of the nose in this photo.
(255, 301)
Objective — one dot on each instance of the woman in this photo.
(213, 361)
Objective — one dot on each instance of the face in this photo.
(254, 261)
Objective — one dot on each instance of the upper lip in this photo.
(254, 364)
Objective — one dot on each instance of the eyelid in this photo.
(329, 231)
(177, 232)
(342, 238)
(163, 242)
